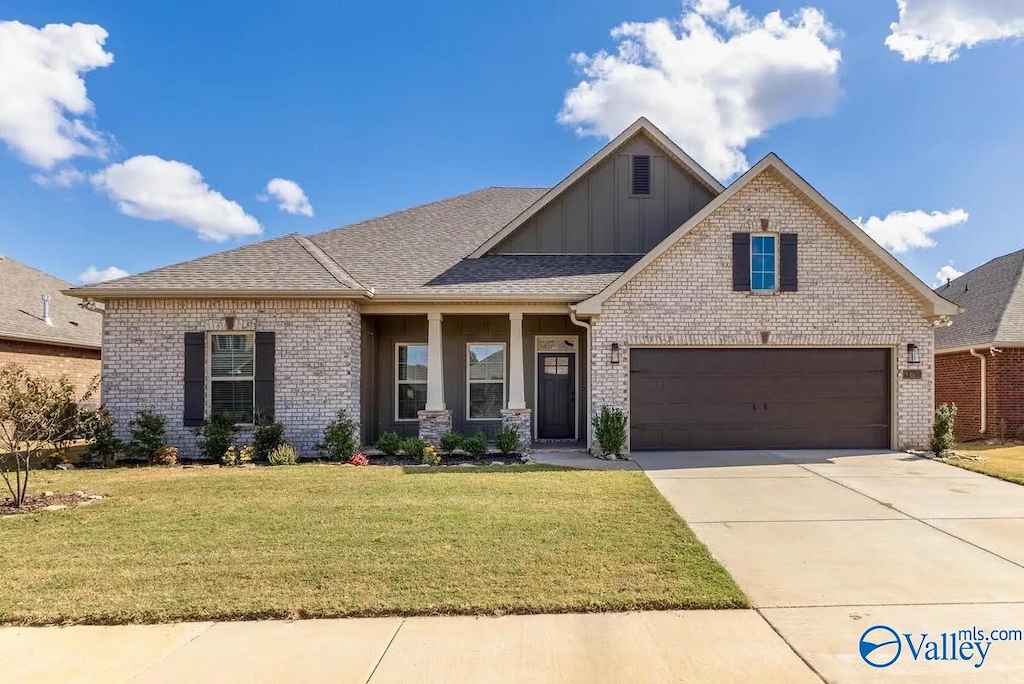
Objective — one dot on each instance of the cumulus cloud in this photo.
(902, 231)
(713, 79)
(945, 274)
(93, 275)
(62, 178)
(935, 30)
(45, 114)
(156, 189)
(290, 197)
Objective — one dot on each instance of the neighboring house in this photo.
(751, 316)
(45, 330)
(979, 362)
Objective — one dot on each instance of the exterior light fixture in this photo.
(913, 353)
(615, 352)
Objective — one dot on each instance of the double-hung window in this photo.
(411, 380)
(486, 380)
(763, 263)
(232, 375)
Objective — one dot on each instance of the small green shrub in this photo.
(413, 447)
(389, 443)
(267, 437)
(430, 456)
(284, 454)
(237, 457)
(149, 433)
(610, 430)
(450, 441)
(507, 440)
(942, 429)
(215, 435)
(475, 446)
(165, 456)
(105, 445)
(339, 441)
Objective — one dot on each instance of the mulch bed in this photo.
(37, 502)
(490, 459)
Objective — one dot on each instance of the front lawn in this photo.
(1005, 461)
(328, 541)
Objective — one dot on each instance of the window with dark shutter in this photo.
(788, 262)
(195, 379)
(641, 174)
(741, 262)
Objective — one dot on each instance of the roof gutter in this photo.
(200, 293)
(50, 342)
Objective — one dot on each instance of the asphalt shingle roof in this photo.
(992, 297)
(21, 308)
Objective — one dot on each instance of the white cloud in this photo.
(290, 197)
(713, 80)
(946, 273)
(936, 29)
(902, 231)
(98, 275)
(156, 189)
(44, 109)
(62, 178)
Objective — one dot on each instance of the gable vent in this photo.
(641, 174)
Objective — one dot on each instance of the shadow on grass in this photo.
(509, 469)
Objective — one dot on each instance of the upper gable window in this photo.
(763, 251)
(641, 174)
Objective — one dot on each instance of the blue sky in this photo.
(374, 107)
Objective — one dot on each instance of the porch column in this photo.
(516, 386)
(435, 364)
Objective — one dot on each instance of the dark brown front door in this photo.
(556, 396)
(759, 398)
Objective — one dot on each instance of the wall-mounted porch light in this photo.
(913, 353)
(615, 352)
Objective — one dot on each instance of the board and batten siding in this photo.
(599, 214)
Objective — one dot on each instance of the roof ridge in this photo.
(7, 257)
(329, 264)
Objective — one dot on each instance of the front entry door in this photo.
(556, 396)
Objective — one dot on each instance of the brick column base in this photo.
(521, 420)
(433, 424)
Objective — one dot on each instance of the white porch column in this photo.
(435, 364)
(516, 386)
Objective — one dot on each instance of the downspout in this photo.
(590, 379)
(984, 392)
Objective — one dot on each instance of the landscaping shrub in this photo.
(284, 454)
(165, 456)
(610, 430)
(216, 434)
(267, 437)
(359, 460)
(234, 456)
(475, 446)
(413, 447)
(149, 433)
(508, 440)
(942, 429)
(389, 443)
(339, 438)
(105, 445)
(430, 456)
(450, 441)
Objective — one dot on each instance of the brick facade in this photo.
(317, 360)
(80, 365)
(846, 297)
(958, 381)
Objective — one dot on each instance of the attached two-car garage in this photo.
(755, 398)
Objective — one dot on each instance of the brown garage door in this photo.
(759, 398)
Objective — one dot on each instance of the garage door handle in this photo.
(766, 406)
(754, 404)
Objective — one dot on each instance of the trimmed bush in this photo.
(149, 433)
(105, 445)
(284, 454)
(389, 443)
(413, 447)
(165, 456)
(610, 430)
(237, 457)
(942, 429)
(339, 441)
(266, 438)
(450, 441)
(475, 446)
(216, 435)
(507, 440)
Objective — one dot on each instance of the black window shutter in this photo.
(787, 262)
(741, 262)
(264, 389)
(195, 379)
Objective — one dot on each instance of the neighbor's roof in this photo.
(992, 297)
(21, 309)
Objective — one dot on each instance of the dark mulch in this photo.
(504, 459)
(37, 502)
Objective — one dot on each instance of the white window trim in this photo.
(775, 251)
(504, 380)
(399, 383)
(209, 371)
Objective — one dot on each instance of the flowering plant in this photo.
(430, 456)
(359, 459)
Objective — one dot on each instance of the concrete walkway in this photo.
(827, 544)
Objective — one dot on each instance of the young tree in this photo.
(37, 414)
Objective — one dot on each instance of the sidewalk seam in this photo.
(135, 675)
(387, 648)
(792, 648)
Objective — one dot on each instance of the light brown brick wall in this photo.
(80, 365)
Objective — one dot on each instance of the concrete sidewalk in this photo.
(689, 646)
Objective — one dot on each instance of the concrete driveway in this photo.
(829, 543)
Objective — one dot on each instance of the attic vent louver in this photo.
(641, 174)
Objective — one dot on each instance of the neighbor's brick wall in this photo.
(845, 298)
(80, 365)
(958, 380)
(1006, 392)
(316, 360)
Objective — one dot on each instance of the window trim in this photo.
(209, 372)
(632, 176)
(775, 254)
(398, 383)
(504, 380)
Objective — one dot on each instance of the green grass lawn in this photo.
(329, 541)
(1005, 461)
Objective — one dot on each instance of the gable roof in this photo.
(938, 306)
(992, 296)
(640, 127)
(21, 309)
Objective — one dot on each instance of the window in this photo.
(762, 263)
(486, 379)
(232, 368)
(411, 381)
(641, 174)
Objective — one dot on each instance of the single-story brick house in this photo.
(979, 359)
(754, 315)
(44, 329)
